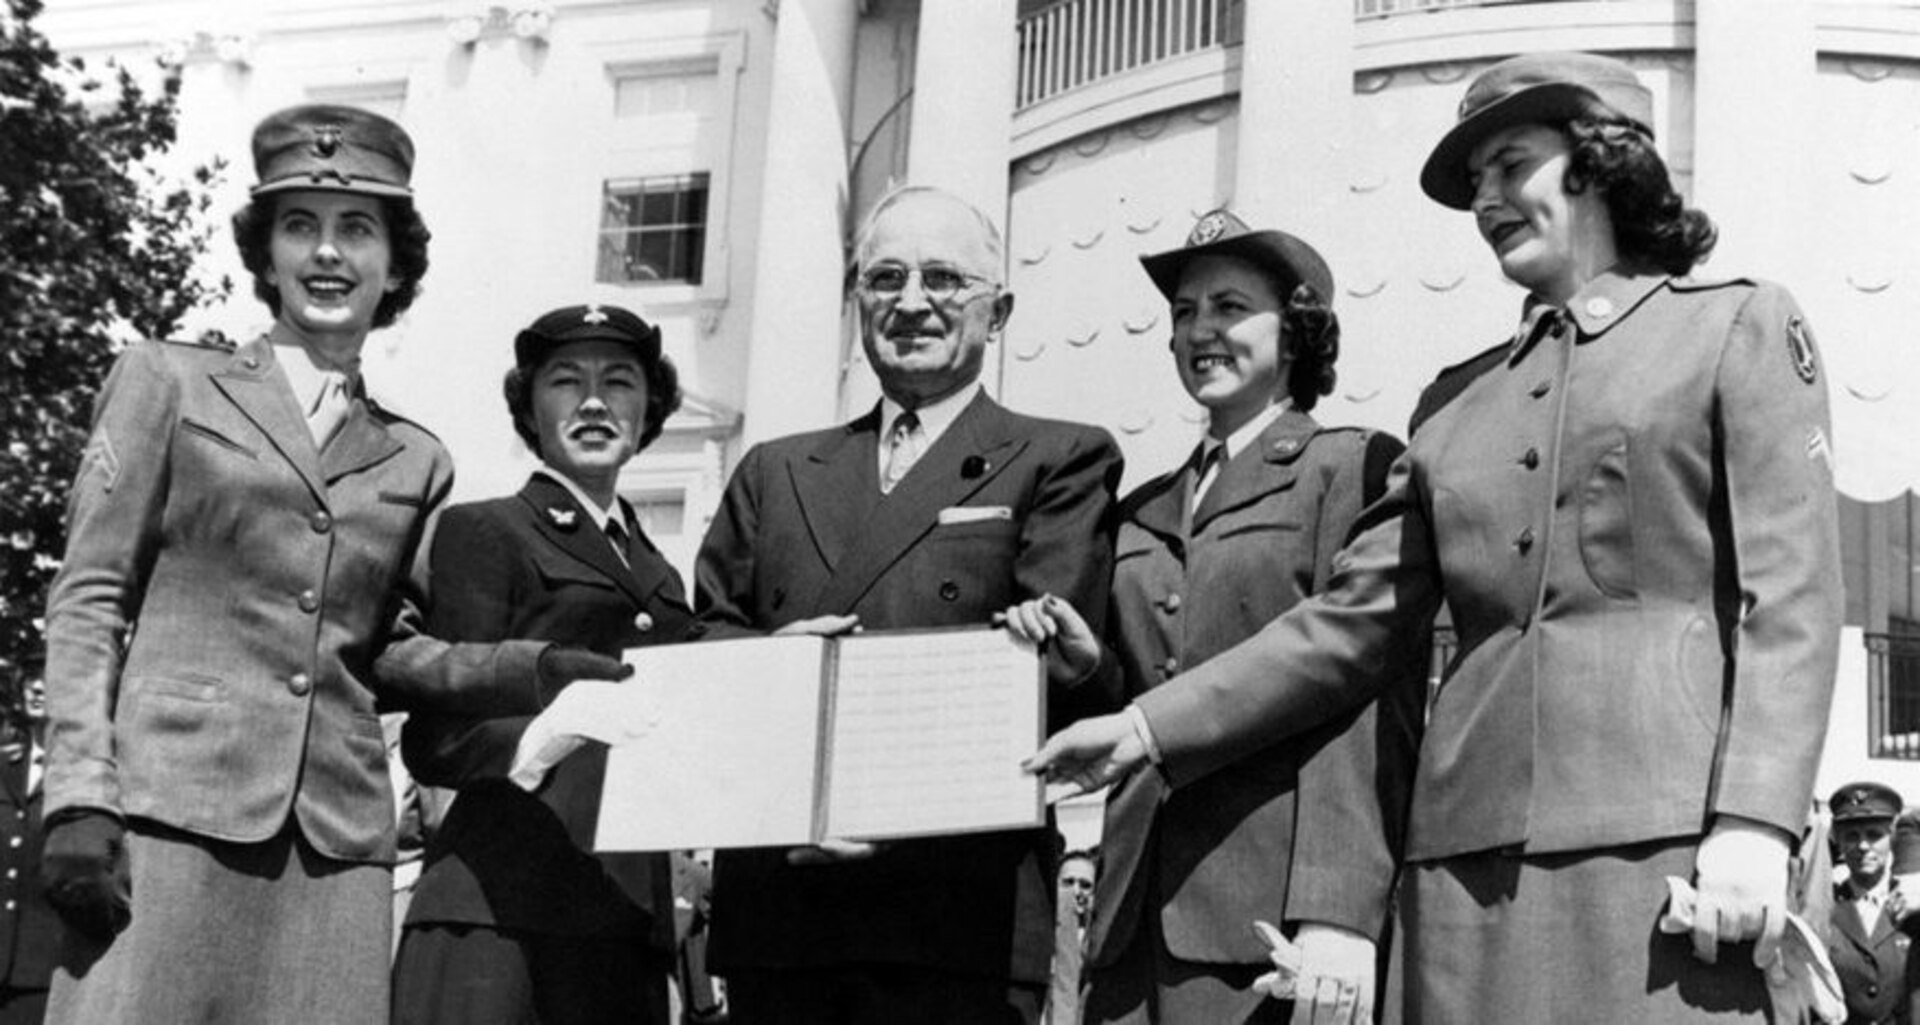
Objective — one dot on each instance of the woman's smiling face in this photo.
(331, 261)
(1227, 344)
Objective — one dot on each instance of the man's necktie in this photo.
(617, 534)
(903, 448)
(330, 408)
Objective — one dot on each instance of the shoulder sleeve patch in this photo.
(1800, 350)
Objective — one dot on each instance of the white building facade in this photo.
(704, 162)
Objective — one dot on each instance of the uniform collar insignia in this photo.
(564, 519)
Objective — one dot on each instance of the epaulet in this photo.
(1452, 380)
(212, 338)
(1691, 284)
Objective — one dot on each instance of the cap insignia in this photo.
(326, 140)
(594, 315)
(1211, 227)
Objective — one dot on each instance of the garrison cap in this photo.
(1221, 233)
(592, 322)
(1864, 801)
(333, 148)
(1533, 88)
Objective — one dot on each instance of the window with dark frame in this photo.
(653, 229)
(1894, 690)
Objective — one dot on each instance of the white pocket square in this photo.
(973, 514)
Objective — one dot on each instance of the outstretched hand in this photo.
(1090, 754)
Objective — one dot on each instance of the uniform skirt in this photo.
(235, 933)
(1563, 938)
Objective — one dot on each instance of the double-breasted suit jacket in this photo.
(1875, 966)
(1308, 829)
(212, 637)
(999, 509)
(535, 565)
(29, 930)
(1632, 518)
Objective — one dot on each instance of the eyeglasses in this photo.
(940, 283)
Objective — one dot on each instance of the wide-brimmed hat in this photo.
(332, 148)
(1533, 88)
(588, 323)
(1864, 801)
(1220, 233)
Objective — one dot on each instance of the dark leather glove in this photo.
(559, 666)
(83, 867)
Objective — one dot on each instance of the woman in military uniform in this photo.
(516, 919)
(1207, 553)
(235, 597)
(1631, 516)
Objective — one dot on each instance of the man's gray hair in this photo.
(989, 233)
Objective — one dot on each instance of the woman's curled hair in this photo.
(1311, 330)
(1652, 224)
(407, 236)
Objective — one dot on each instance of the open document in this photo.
(791, 740)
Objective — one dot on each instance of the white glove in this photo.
(597, 710)
(1326, 970)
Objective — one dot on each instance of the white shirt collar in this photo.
(598, 515)
(306, 373)
(1240, 439)
(935, 417)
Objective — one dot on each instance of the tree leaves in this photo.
(94, 246)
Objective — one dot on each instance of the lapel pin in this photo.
(563, 518)
(973, 466)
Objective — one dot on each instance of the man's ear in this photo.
(1002, 309)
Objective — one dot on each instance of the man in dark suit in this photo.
(29, 930)
(938, 508)
(515, 919)
(1869, 940)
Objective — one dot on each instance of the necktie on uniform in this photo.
(1208, 459)
(903, 449)
(330, 407)
(617, 535)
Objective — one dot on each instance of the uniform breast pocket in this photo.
(1606, 523)
(212, 439)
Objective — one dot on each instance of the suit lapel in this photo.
(252, 382)
(646, 568)
(838, 487)
(1265, 467)
(558, 518)
(1847, 920)
(974, 450)
(362, 441)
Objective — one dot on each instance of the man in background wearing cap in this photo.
(937, 508)
(516, 919)
(1869, 940)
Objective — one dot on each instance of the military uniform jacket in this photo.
(1633, 520)
(1000, 509)
(1321, 814)
(1875, 968)
(535, 565)
(213, 633)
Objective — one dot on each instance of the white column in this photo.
(1296, 89)
(793, 366)
(1753, 89)
(963, 101)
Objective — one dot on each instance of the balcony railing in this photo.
(1893, 696)
(1078, 42)
(1388, 8)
